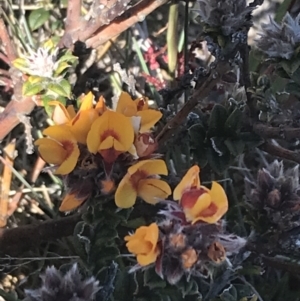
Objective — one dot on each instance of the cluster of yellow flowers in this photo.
(198, 203)
(108, 134)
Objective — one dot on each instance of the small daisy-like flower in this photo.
(280, 40)
(42, 62)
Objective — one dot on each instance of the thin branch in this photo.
(269, 132)
(280, 152)
(200, 93)
(129, 18)
(15, 241)
(7, 43)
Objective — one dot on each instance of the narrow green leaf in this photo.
(30, 89)
(37, 18)
(62, 88)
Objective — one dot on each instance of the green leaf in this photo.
(11, 296)
(290, 66)
(234, 122)
(30, 89)
(61, 88)
(293, 88)
(250, 139)
(236, 147)
(188, 287)
(37, 18)
(47, 98)
(152, 280)
(61, 67)
(218, 158)
(217, 121)
(82, 235)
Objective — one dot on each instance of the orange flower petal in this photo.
(71, 111)
(100, 106)
(126, 105)
(70, 202)
(125, 195)
(137, 246)
(111, 124)
(219, 199)
(60, 114)
(193, 214)
(81, 124)
(151, 167)
(147, 259)
(190, 180)
(153, 190)
(59, 133)
(148, 119)
(152, 234)
(87, 101)
(51, 151)
(70, 162)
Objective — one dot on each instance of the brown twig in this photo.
(129, 18)
(269, 132)
(7, 43)
(200, 93)
(280, 152)
(15, 241)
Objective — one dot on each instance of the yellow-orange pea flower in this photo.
(143, 244)
(60, 148)
(111, 134)
(198, 202)
(130, 108)
(79, 123)
(142, 180)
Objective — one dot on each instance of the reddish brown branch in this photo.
(7, 43)
(129, 18)
(280, 152)
(15, 241)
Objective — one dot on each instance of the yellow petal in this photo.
(125, 195)
(71, 111)
(151, 167)
(152, 234)
(138, 246)
(51, 151)
(87, 102)
(94, 135)
(111, 124)
(59, 133)
(126, 105)
(148, 119)
(81, 124)
(70, 202)
(190, 180)
(153, 190)
(146, 259)
(70, 162)
(60, 114)
(107, 143)
(100, 106)
(201, 204)
(219, 199)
